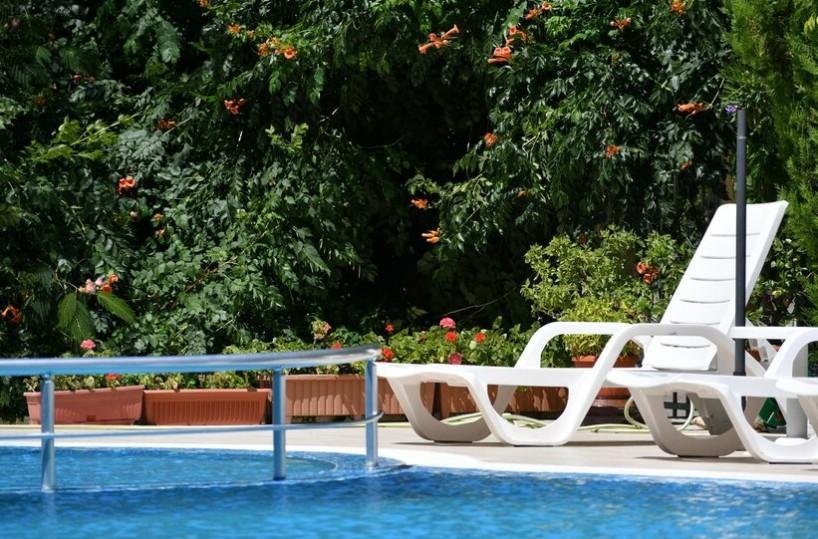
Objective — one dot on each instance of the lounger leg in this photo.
(558, 432)
(712, 413)
(810, 406)
(782, 450)
(670, 440)
(428, 426)
(716, 419)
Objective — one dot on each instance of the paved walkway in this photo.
(605, 452)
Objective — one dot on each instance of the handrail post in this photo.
(279, 435)
(371, 411)
(48, 468)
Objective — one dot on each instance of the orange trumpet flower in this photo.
(621, 24)
(501, 55)
(690, 108)
(432, 236)
(678, 7)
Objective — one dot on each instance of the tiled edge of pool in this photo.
(429, 459)
(436, 459)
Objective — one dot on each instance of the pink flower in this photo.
(88, 344)
(455, 359)
(390, 328)
(447, 323)
(89, 287)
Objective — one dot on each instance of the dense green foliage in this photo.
(244, 168)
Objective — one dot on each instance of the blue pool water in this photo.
(117, 493)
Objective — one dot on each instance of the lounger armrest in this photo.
(620, 335)
(583, 328)
(764, 332)
(596, 328)
(532, 354)
(796, 339)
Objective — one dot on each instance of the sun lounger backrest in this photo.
(706, 292)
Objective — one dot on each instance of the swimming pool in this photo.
(217, 493)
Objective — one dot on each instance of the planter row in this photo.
(307, 396)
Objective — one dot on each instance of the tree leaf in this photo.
(117, 307)
(167, 42)
(73, 318)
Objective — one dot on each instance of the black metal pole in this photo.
(741, 234)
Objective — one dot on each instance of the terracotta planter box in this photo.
(388, 402)
(538, 399)
(608, 396)
(541, 400)
(323, 395)
(103, 406)
(206, 406)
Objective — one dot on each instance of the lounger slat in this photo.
(724, 246)
(709, 314)
(705, 292)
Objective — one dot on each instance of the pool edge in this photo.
(453, 460)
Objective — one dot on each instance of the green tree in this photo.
(776, 45)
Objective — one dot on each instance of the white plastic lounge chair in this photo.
(703, 297)
(648, 389)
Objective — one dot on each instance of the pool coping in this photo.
(460, 461)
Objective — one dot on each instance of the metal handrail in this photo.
(278, 362)
(170, 431)
(199, 363)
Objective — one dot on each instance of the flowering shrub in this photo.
(440, 343)
(495, 346)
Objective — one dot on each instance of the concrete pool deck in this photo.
(632, 453)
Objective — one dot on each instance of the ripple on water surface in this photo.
(333, 495)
